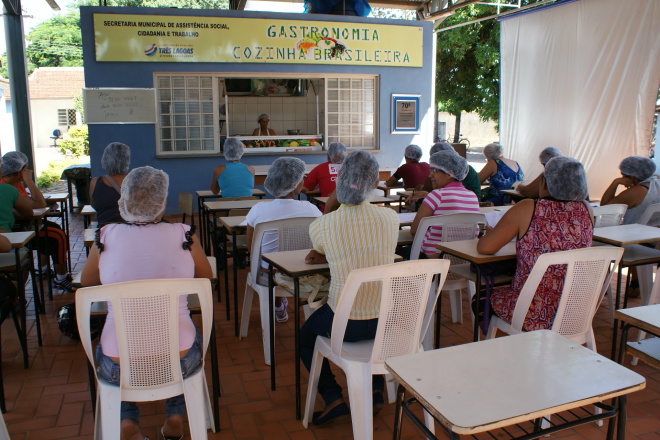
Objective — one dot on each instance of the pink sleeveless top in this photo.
(555, 226)
(141, 252)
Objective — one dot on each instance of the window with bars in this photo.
(351, 107)
(186, 114)
(66, 117)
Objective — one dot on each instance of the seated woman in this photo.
(501, 172)
(234, 179)
(642, 188)
(284, 181)
(357, 235)
(449, 196)
(324, 176)
(470, 182)
(413, 172)
(560, 220)
(11, 201)
(146, 248)
(104, 192)
(16, 173)
(531, 189)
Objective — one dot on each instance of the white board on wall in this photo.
(119, 106)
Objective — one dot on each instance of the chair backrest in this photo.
(147, 324)
(609, 215)
(405, 290)
(586, 272)
(454, 227)
(651, 216)
(292, 235)
(186, 207)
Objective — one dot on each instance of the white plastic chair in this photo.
(653, 298)
(146, 317)
(4, 434)
(293, 234)
(588, 274)
(405, 305)
(609, 215)
(454, 227)
(651, 217)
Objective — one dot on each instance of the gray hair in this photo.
(357, 177)
(143, 195)
(13, 162)
(337, 152)
(566, 179)
(413, 152)
(440, 146)
(234, 149)
(548, 153)
(116, 158)
(451, 163)
(493, 151)
(263, 115)
(637, 166)
(284, 176)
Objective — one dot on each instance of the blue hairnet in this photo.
(440, 146)
(548, 153)
(492, 151)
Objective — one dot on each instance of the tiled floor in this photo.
(50, 400)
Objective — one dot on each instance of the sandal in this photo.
(169, 438)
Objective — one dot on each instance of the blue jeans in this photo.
(320, 323)
(109, 371)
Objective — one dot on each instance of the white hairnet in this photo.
(548, 153)
(234, 149)
(143, 195)
(492, 151)
(284, 175)
(116, 158)
(357, 177)
(337, 152)
(413, 152)
(637, 166)
(440, 146)
(451, 163)
(566, 179)
(13, 162)
(263, 115)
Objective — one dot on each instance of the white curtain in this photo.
(583, 77)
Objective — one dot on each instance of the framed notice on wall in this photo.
(405, 114)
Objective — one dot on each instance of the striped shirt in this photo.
(451, 199)
(354, 237)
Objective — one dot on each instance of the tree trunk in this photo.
(457, 128)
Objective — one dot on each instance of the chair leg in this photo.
(245, 315)
(265, 325)
(361, 400)
(456, 306)
(312, 387)
(17, 325)
(429, 421)
(391, 384)
(194, 394)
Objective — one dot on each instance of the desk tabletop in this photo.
(372, 199)
(292, 263)
(18, 239)
(88, 210)
(219, 205)
(487, 209)
(58, 197)
(231, 223)
(203, 194)
(89, 236)
(36, 214)
(405, 237)
(627, 234)
(521, 377)
(646, 318)
(467, 250)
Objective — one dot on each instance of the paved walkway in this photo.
(50, 400)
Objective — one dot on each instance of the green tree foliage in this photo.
(56, 42)
(3, 68)
(468, 70)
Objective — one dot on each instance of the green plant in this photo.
(48, 177)
(77, 141)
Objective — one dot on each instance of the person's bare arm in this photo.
(487, 171)
(202, 267)
(512, 224)
(531, 190)
(92, 185)
(632, 196)
(23, 206)
(422, 212)
(90, 273)
(332, 204)
(5, 244)
(250, 169)
(315, 257)
(214, 183)
(36, 197)
(256, 132)
(392, 181)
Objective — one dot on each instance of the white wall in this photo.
(44, 119)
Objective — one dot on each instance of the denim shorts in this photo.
(108, 370)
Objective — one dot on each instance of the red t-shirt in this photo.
(19, 186)
(413, 173)
(324, 176)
